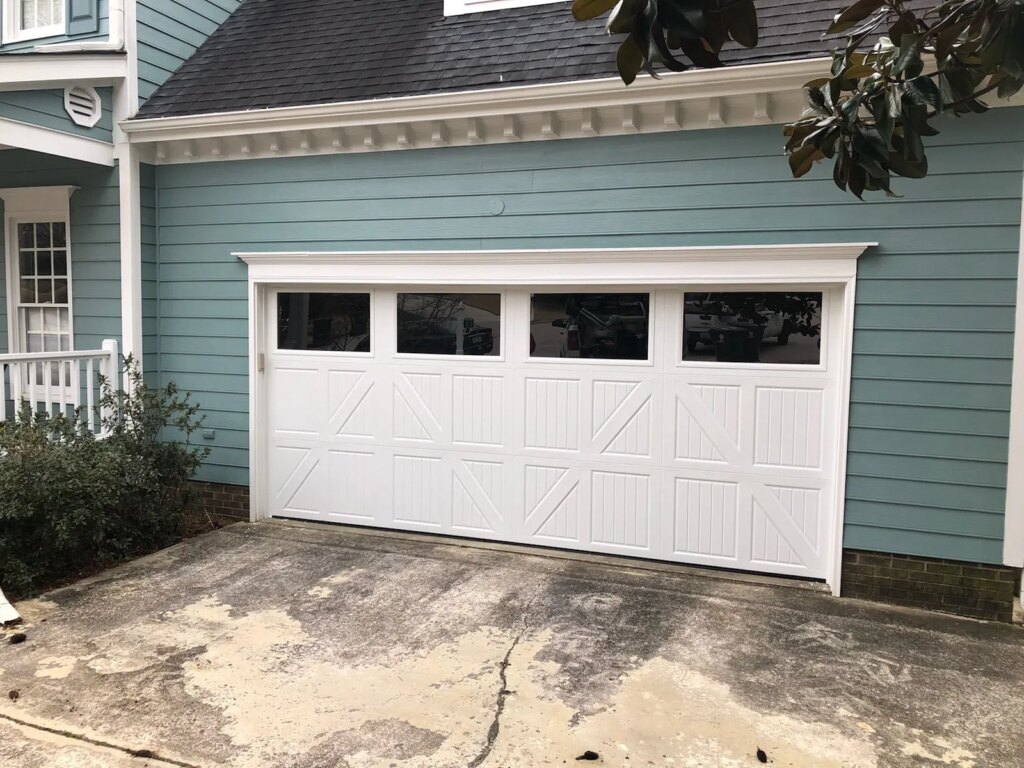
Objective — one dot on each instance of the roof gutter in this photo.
(742, 95)
(693, 84)
(113, 43)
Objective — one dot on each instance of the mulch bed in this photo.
(197, 522)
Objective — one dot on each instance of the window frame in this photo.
(14, 33)
(714, 365)
(482, 359)
(37, 205)
(274, 330)
(652, 298)
(34, 205)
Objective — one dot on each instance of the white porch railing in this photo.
(58, 382)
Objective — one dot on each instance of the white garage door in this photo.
(678, 424)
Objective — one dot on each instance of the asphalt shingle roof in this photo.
(281, 53)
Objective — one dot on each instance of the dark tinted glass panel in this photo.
(26, 238)
(609, 326)
(449, 323)
(766, 327)
(27, 261)
(327, 322)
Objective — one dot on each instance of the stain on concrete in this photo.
(279, 645)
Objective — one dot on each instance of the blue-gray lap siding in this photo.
(935, 303)
(170, 31)
(46, 109)
(95, 241)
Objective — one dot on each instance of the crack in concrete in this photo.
(503, 691)
(140, 753)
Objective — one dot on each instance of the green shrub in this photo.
(70, 501)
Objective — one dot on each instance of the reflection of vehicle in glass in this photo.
(709, 320)
(610, 326)
(419, 336)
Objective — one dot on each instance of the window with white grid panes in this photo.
(32, 19)
(44, 292)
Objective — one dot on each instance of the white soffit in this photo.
(36, 139)
(25, 72)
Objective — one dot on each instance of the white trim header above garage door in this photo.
(756, 264)
(830, 264)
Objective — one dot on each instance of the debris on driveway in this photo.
(8, 615)
(276, 645)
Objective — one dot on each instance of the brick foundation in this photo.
(225, 500)
(976, 590)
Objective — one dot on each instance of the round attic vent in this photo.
(83, 105)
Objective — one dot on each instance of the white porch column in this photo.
(131, 251)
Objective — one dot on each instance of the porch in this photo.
(60, 318)
(53, 383)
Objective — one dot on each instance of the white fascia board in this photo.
(1013, 532)
(25, 72)
(605, 92)
(32, 137)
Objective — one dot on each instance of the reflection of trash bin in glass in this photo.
(738, 344)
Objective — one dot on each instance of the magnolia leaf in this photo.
(681, 20)
(742, 19)
(854, 14)
(923, 91)
(909, 56)
(858, 71)
(629, 59)
(803, 159)
(583, 10)
(624, 15)
(910, 170)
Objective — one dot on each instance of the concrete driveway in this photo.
(293, 645)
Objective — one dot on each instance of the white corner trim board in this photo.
(32, 137)
(1013, 535)
(662, 272)
(130, 190)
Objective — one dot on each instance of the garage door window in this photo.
(772, 327)
(608, 326)
(324, 322)
(449, 324)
